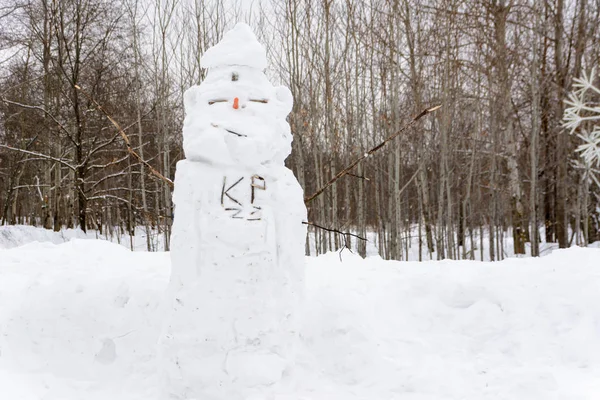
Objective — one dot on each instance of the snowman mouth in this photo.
(235, 133)
(230, 131)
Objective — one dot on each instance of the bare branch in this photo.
(347, 170)
(358, 176)
(109, 142)
(42, 109)
(108, 196)
(102, 166)
(44, 156)
(126, 139)
(333, 230)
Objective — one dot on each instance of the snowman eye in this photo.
(234, 76)
(264, 101)
(211, 102)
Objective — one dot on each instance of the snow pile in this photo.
(238, 240)
(78, 320)
(19, 235)
(517, 329)
(81, 320)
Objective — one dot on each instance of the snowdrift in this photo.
(80, 320)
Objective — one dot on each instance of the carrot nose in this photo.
(236, 103)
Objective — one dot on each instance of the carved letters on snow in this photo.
(234, 199)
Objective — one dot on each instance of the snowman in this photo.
(237, 246)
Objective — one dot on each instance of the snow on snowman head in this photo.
(236, 117)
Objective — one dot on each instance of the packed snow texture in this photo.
(237, 247)
(247, 132)
(237, 47)
(80, 320)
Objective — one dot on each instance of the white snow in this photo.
(19, 235)
(237, 47)
(77, 320)
(80, 320)
(238, 240)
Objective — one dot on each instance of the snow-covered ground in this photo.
(18, 235)
(80, 320)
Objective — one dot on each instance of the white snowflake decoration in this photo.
(580, 110)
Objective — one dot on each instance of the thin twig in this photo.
(235, 133)
(343, 248)
(42, 109)
(126, 139)
(44, 156)
(358, 176)
(347, 170)
(409, 181)
(333, 230)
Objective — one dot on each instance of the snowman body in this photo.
(237, 246)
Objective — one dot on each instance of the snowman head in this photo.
(236, 117)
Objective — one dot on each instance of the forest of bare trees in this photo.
(494, 164)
